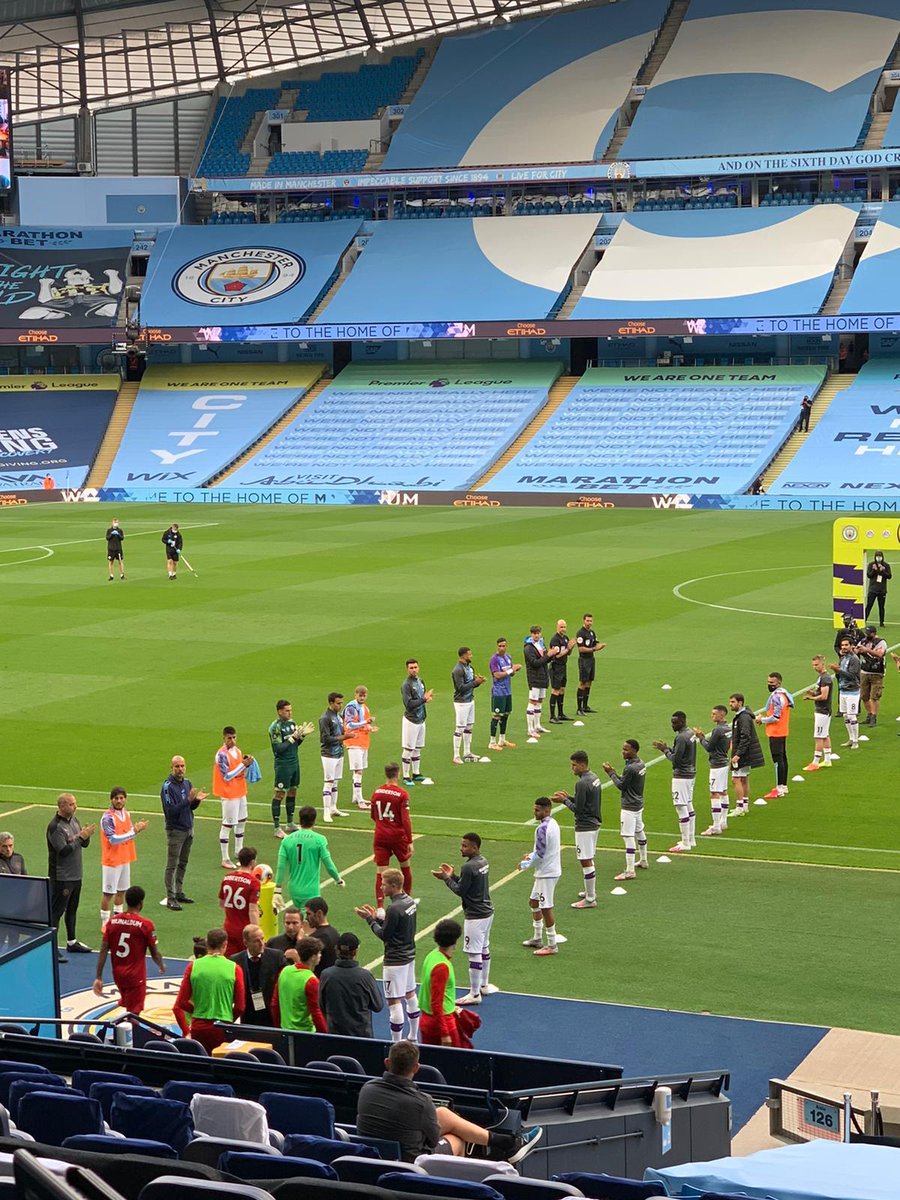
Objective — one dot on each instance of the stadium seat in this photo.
(11, 1027)
(208, 1150)
(167, 1121)
(267, 1166)
(359, 1169)
(174, 1187)
(298, 1114)
(351, 1066)
(106, 1143)
(186, 1089)
(386, 1147)
(429, 1074)
(105, 1093)
(186, 1045)
(267, 1055)
(463, 1167)
(514, 1187)
(230, 1117)
(161, 1046)
(240, 1056)
(609, 1187)
(326, 1150)
(436, 1185)
(81, 1036)
(52, 1117)
(322, 1064)
(12, 1089)
(84, 1080)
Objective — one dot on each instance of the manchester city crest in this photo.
(245, 275)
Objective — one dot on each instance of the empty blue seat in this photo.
(13, 1087)
(85, 1079)
(168, 1121)
(325, 1149)
(176, 1187)
(429, 1074)
(105, 1143)
(105, 1093)
(437, 1185)
(358, 1169)
(269, 1166)
(186, 1045)
(348, 1064)
(52, 1117)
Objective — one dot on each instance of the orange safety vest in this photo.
(116, 854)
(360, 736)
(229, 789)
(781, 727)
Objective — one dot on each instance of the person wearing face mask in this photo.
(776, 717)
(878, 572)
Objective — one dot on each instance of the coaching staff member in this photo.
(179, 799)
(66, 838)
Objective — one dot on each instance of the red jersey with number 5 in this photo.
(237, 892)
(129, 936)
(389, 808)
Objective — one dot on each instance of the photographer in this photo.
(878, 572)
(872, 651)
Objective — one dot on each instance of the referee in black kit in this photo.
(588, 646)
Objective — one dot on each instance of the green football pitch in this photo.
(790, 916)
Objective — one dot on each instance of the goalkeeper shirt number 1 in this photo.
(300, 859)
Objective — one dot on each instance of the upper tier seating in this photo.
(311, 162)
(653, 430)
(354, 95)
(546, 90)
(873, 288)
(228, 128)
(747, 76)
(457, 417)
(730, 263)
(477, 269)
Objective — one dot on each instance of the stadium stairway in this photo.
(376, 157)
(822, 399)
(112, 439)
(835, 298)
(877, 129)
(571, 300)
(274, 430)
(658, 51)
(558, 392)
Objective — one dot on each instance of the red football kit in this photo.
(129, 936)
(238, 891)
(389, 809)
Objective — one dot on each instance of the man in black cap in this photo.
(348, 993)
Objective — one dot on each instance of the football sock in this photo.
(551, 935)
(586, 695)
(416, 762)
(716, 814)
(290, 805)
(629, 853)
(326, 796)
(467, 742)
(357, 787)
(407, 763)
(538, 928)
(495, 725)
(642, 842)
(276, 811)
(407, 880)
(485, 967)
(692, 827)
(104, 915)
(118, 909)
(827, 754)
(379, 890)
(503, 721)
(334, 795)
(413, 1018)
(475, 976)
(590, 883)
(457, 740)
(395, 1011)
(238, 838)
(223, 840)
(684, 824)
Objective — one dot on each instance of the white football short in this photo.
(631, 823)
(848, 704)
(399, 980)
(234, 812)
(332, 768)
(116, 879)
(718, 781)
(413, 735)
(683, 791)
(585, 843)
(358, 757)
(544, 890)
(465, 714)
(822, 725)
(537, 693)
(477, 935)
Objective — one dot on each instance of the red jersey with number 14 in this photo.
(389, 808)
(129, 936)
(238, 891)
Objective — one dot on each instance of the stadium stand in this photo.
(546, 90)
(230, 123)
(730, 263)
(754, 75)
(216, 411)
(222, 276)
(720, 427)
(892, 133)
(852, 448)
(446, 420)
(873, 288)
(477, 269)
(354, 95)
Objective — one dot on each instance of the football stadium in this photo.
(451, 670)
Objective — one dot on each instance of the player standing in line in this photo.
(717, 746)
(847, 672)
(173, 542)
(588, 646)
(285, 737)
(128, 937)
(472, 885)
(823, 705)
(239, 899)
(502, 670)
(230, 785)
(117, 852)
(464, 681)
(546, 860)
(746, 752)
(537, 672)
(585, 804)
(415, 696)
(563, 645)
(631, 784)
(301, 856)
(331, 740)
(389, 809)
(115, 536)
(358, 722)
(682, 754)
(398, 932)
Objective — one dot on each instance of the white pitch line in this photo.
(18, 562)
(12, 812)
(754, 612)
(84, 541)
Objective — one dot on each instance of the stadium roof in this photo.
(72, 54)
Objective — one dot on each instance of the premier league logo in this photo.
(241, 276)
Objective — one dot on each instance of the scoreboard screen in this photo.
(5, 139)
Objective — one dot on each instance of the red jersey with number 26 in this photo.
(129, 936)
(238, 891)
(389, 808)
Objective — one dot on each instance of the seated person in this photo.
(393, 1107)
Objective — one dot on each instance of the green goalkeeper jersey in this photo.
(284, 750)
(300, 859)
